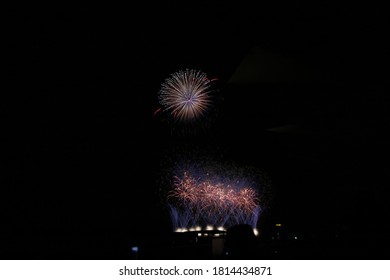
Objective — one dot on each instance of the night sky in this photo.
(304, 91)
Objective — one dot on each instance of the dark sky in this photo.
(82, 150)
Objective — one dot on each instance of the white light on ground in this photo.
(181, 230)
(256, 232)
(134, 249)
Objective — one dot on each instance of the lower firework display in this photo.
(202, 203)
(203, 191)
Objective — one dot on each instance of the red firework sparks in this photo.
(213, 197)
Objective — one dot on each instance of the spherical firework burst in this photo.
(186, 95)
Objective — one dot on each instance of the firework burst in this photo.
(201, 203)
(200, 188)
(186, 95)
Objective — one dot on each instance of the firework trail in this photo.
(186, 95)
